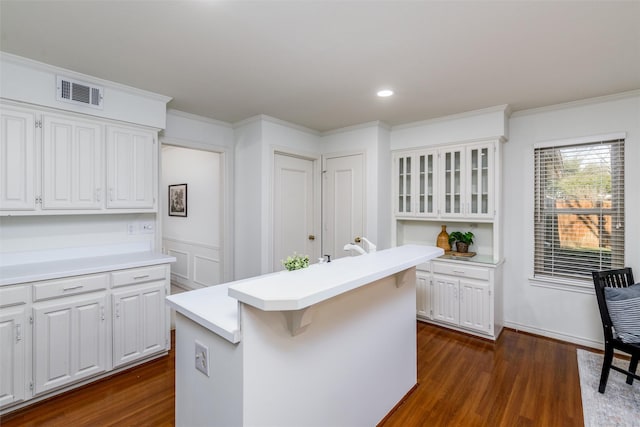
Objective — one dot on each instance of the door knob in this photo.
(312, 237)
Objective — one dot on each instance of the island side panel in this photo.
(349, 367)
(214, 401)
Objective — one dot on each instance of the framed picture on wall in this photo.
(178, 200)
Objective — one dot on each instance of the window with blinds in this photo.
(579, 209)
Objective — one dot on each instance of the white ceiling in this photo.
(319, 64)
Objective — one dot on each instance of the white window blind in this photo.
(579, 209)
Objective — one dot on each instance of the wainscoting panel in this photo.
(197, 265)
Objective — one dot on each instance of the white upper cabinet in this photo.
(480, 180)
(451, 197)
(467, 189)
(131, 168)
(17, 159)
(72, 164)
(57, 163)
(415, 183)
(450, 182)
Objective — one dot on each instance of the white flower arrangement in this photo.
(296, 262)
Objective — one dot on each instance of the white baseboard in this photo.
(556, 335)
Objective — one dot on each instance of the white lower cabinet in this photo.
(446, 305)
(423, 294)
(13, 342)
(70, 340)
(138, 322)
(465, 297)
(57, 334)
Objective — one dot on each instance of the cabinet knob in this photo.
(357, 239)
(312, 237)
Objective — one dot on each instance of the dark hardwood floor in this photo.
(522, 380)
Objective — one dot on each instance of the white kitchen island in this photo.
(330, 345)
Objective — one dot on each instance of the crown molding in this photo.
(195, 117)
(581, 102)
(504, 108)
(374, 123)
(265, 118)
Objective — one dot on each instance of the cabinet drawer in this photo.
(70, 286)
(137, 275)
(14, 295)
(461, 270)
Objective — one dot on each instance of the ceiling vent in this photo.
(77, 92)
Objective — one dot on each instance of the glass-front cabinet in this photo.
(480, 177)
(449, 182)
(415, 183)
(452, 167)
(467, 190)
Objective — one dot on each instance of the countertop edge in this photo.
(83, 266)
(340, 288)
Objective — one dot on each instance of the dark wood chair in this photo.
(620, 278)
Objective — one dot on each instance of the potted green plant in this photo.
(296, 262)
(462, 240)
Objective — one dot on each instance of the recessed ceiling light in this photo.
(384, 93)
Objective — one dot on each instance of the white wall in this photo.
(567, 315)
(248, 205)
(44, 232)
(195, 240)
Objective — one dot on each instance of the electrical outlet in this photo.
(202, 358)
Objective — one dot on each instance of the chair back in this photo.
(620, 278)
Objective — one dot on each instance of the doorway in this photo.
(195, 240)
(342, 202)
(295, 209)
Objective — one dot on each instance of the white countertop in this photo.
(295, 290)
(212, 308)
(216, 307)
(31, 272)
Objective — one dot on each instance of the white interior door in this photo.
(343, 203)
(294, 209)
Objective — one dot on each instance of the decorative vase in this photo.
(443, 240)
(462, 247)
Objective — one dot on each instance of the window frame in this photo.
(556, 279)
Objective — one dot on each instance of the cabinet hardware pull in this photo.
(117, 309)
(111, 194)
(70, 288)
(141, 277)
(458, 272)
(97, 194)
(18, 332)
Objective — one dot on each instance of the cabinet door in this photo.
(452, 188)
(446, 307)
(12, 355)
(72, 164)
(423, 295)
(425, 186)
(138, 323)
(69, 340)
(131, 172)
(17, 160)
(475, 305)
(404, 181)
(480, 181)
